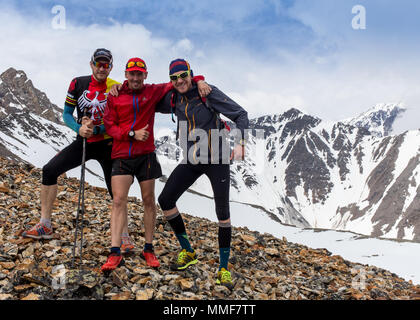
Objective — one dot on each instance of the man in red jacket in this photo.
(129, 119)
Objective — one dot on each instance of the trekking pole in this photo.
(81, 202)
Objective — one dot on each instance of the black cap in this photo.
(102, 53)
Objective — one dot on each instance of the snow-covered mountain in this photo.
(379, 119)
(30, 125)
(349, 175)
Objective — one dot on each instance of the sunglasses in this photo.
(181, 75)
(101, 64)
(135, 63)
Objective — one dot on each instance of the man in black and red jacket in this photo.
(85, 93)
(129, 119)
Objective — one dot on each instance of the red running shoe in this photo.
(114, 260)
(150, 258)
(39, 231)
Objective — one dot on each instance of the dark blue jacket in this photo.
(191, 111)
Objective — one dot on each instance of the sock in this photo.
(148, 247)
(46, 222)
(125, 235)
(224, 258)
(116, 250)
(125, 238)
(225, 236)
(184, 242)
(178, 227)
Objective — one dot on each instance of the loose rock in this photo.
(262, 266)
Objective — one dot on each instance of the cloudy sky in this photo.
(268, 55)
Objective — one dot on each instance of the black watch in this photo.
(131, 134)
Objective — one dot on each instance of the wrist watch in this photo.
(131, 134)
(96, 130)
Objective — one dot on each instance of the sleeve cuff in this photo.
(198, 78)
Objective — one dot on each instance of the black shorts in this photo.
(144, 167)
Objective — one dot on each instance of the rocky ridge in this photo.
(263, 267)
(30, 125)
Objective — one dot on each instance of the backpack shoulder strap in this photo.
(208, 105)
(174, 96)
(173, 104)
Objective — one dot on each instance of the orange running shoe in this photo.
(38, 231)
(126, 245)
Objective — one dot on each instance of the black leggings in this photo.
(71, 157)
(184, 175)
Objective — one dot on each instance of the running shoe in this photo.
(126, 245)
(185, 259)
(38, 231)
(150, 258)
(224, 278)
(114, 260)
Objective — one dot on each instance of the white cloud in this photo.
(183, 47)
(51, 58)
(409, 120)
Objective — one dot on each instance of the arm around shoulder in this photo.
(164, 105)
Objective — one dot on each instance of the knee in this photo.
(223, 213)
(119, 200)
(161, 201)
(46, 169)
(49, 176)
(165, 202)
(149, 201)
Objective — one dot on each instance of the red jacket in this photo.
(133, 111)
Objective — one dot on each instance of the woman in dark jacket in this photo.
(205, 152)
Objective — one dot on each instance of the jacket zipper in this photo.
(186, 115)
(195, 143)
(132, 126)
(210, 148)
(189, 128)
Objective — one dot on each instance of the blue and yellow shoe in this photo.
(224, 278)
